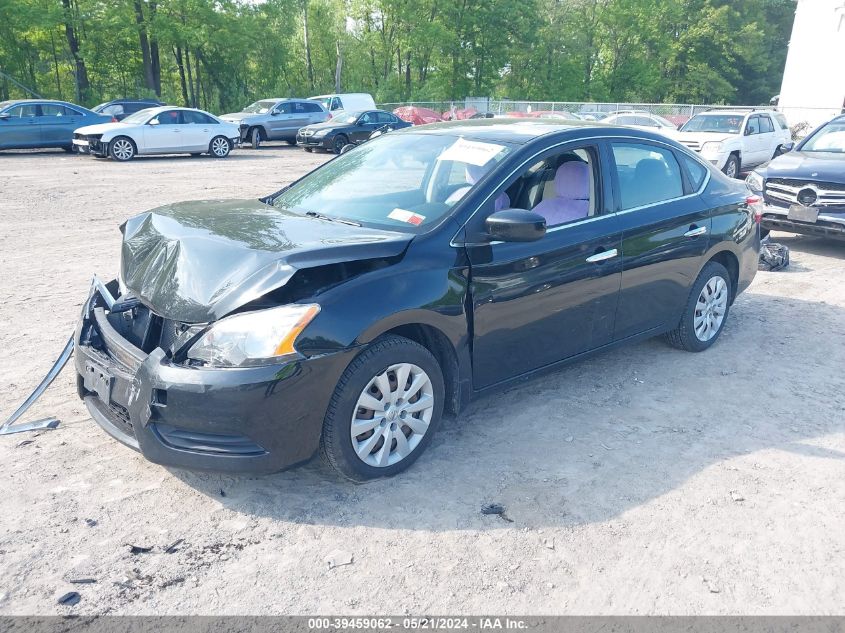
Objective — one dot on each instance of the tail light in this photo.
(755, 203)
(114, 119)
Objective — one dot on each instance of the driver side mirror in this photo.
(5, 116)
(748, 131)
(275, 112)
(154, 122)
(515, 225)
(788, 147)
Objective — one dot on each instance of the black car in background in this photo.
(804, 190)
(122, 108)
(32, 123)
(345, 128)
(346, 312)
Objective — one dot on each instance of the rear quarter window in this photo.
(696, 171)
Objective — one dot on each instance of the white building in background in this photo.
(813, 88)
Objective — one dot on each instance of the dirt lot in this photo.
(645, 480)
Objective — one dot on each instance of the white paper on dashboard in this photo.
(471, 152)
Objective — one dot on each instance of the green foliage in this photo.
(223, 54)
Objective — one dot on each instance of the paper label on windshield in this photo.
(406, 216)
(472, 152)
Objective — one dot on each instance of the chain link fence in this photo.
(677, 113)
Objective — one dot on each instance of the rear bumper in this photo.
(827, 225)
(244, 420)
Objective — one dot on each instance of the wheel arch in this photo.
(731, 262)
(441, 346)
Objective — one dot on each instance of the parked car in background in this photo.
(640, 119)
(161, 130)
(350, 101)
(122, 108)
(345, 312)
(591, 115)
(733, 139)
(276, 119)
(804, 190)
(555, 114)
(346, 128)
(30, 123)
(417, 115)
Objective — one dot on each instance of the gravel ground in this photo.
(642, 481)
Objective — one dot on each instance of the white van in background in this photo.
(351, 101)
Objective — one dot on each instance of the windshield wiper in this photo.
(320, 216)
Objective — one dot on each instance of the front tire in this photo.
(706, 310)
(340, 141)
(731, 169)
(122, 149)
(384, 411)
(219, 147)
(255, 138)
(308, 149)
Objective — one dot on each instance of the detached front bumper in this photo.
(828, 223)
(246, 420)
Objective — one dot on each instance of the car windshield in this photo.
(140, 116)
(397, 181)
(831, 138)
(259, 107)
(98, 108)
(727, 123)
(345, 117)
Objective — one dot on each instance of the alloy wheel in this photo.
(731, 170)
(122, 149)
(392, 415)
(220, 147)
(710, 309)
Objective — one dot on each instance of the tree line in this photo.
(222, 54)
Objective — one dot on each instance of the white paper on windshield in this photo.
(471, 152)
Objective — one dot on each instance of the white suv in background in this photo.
(733, 139)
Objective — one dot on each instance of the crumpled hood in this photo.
(100, 128)
(820, 166)
(195, 262)
(237, 117)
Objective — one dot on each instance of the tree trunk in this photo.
(192, 98)
(308, 65)
(180, 64)
(56, 66)
(155, 62)
(149, 77)
(338, 68)
(81, 72)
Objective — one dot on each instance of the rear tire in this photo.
(706, 310)
(122, 149)
(403, 382)
(308, 149)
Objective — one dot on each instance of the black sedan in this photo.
(346, 312)
(804, 190)
(345, 128)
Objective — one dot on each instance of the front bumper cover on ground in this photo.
(249, 420)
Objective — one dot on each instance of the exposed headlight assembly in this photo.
(320, 133)
(711, 147)
(255, 338)
(755, 182)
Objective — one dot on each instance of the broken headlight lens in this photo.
(253, 338)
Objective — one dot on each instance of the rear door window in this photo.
(197, 118)
(647, 174)
(766, 125)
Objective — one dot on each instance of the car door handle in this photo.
(695, 231)
(603, 256)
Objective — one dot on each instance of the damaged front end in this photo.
(190, 357)
(138, 385)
